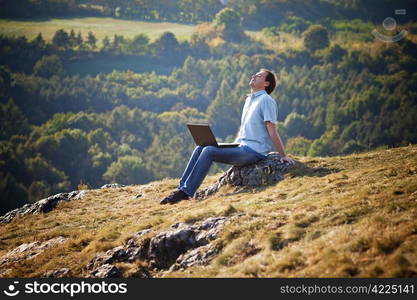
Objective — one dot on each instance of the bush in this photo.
(297, 124)
(316, 37)
(335, 53)
(230, 23)
(298, 145)
(127, 170)
(49, 66)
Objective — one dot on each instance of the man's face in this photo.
(257, 81)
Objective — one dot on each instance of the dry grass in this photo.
(286, 41)
(331, 217)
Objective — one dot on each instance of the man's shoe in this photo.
(175, 197)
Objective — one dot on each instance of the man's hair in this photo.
(271, 79)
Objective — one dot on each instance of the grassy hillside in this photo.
(344, 216)
(99, 26)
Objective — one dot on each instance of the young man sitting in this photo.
(257, 137)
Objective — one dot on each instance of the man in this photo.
(257, 136)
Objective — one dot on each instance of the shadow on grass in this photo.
(300, 169)
(297, 170)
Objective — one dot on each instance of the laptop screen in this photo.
(202, 134)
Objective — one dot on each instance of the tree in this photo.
(118, 12)
(117, 41)
(38, 41)
(12, 120)
(106, 43)
(327, 144)
(224, 111)
(38, 190)
(297, 125)
(12, 194)
(271, 32)
(127, 170)
(298, 145)
(48, 66)
(335, 53)
(5, 81)
(91, 40)
(61, 39)
(316, 37)
(199, 47)
(139, 44)
(72, 38)
(79, 39)
(294, 24)
(167, 46)
(39, 169)
(231, 23)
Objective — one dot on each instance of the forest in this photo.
(256, 13)
(64, 127)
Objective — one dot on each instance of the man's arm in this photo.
(238, 134)
(276, 140)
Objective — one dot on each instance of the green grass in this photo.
(344, 216)
(99, 26)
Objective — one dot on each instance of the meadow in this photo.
(99, 26)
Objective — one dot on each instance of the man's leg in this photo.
(179, 194)
(190, 165)
(235, 156)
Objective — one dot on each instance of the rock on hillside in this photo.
(265, 172)
(42, 206)
(182, 246)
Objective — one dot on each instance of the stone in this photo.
(106, 271)
(140, 233)
(28, 251)
(262, 173)
(112, 185)
(164, 249)
(129, 252)
(198, 256)
(42, 206)
(167, 246)
(60, 273)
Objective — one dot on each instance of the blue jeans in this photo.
(200, 162)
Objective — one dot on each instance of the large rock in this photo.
(42, 206)
(27, 251)
(199, 256)
(262, 173)
(164, 249)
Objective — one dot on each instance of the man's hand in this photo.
(276, 140)
(287, 159)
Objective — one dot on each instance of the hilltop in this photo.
(342, 216)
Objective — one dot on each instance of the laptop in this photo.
(203, 136)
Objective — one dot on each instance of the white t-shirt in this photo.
(259, 107)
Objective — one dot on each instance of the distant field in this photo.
(100, 26)
(284, 42)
